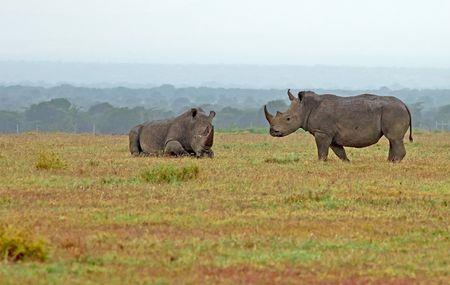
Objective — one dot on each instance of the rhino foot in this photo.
(205, 153)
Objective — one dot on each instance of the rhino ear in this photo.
(212, 114)
(193, 112)
(301, 94)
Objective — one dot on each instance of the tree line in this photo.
(115, 110)
(61, 115)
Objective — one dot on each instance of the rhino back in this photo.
(352, 121)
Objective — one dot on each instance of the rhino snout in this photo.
(275, 133)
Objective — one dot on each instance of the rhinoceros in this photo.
(191, 133)
(335, 122)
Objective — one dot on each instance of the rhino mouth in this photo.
(275, 133)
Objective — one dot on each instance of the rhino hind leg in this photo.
(340, 152)
(323, 142)
(396, 150)
(175, 148)
(135, 147)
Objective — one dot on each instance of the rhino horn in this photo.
(269, 117)
(291, 97)
(210, 137)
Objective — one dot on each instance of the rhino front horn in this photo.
(291, 97)
(269, 117)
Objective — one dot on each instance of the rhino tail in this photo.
(135, 144)
(410, 124)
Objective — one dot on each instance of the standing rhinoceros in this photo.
(336, 122)
(191, 133)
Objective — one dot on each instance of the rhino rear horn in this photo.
(269, 117)
(291, 97)
(212, 114)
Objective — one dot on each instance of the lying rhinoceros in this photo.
(191, 133)
(336, 122)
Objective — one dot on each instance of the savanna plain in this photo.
(79, 209)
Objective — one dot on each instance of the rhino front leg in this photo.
(339, 151)
(209, 153)
(323, 142)
(204, 153)
(175, 148)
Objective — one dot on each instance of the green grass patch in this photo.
(169, 173)
(17, 245)
(290, 158)
(49, 160)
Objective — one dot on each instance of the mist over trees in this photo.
(115, 110)
(246, 76)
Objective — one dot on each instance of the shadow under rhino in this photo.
(335, 122)
(191, 133)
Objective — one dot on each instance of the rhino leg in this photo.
(396, 150)
(339, 151)
(135, 148)
(175, 148)
(208, 153)
(323, 142)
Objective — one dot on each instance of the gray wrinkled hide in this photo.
(191, 133)
(335, 122)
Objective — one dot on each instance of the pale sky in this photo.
(414, 33)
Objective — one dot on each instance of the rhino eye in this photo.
(288, 119)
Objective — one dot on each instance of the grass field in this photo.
(264, 210)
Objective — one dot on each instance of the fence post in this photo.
(17, 128)
(93, 129)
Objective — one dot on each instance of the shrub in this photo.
(17, 245)
(49, 160)
(168, 173)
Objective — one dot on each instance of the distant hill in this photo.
(228, 76)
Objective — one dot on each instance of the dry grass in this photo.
(264, 210)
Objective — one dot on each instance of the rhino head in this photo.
(283, 124)
(202, 137)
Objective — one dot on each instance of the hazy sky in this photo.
(413, 33)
